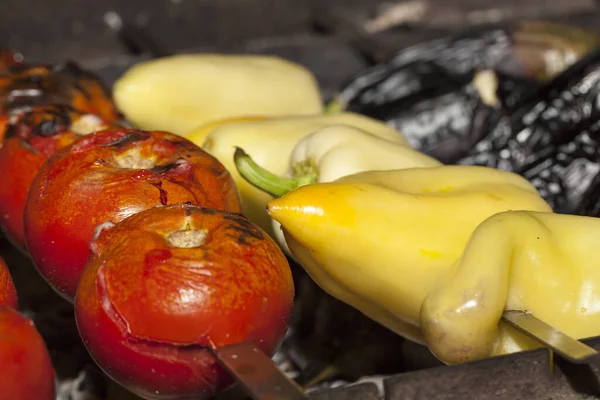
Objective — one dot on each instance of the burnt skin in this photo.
(247, 232)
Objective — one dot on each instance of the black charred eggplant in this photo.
(414, 71)
(569, 178)
(554, 115)
(513, 90)
(427, 91)
(447, 124)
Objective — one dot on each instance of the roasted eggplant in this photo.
(448, 123)
(554, 115)
(426, 91)
(569, 177)
(434, 94)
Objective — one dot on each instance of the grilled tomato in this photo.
(25, 366)
(164, 286)
(107, 176)
(32, 137)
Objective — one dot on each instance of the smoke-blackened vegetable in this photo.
(553, 116)
(446, 94)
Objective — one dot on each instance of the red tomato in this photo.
(164, 285)
(8, 292)
(106, 177)
(24, 86)
(25, 366)
(31, 138)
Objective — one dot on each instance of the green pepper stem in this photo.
(266, 181)
(334, 106)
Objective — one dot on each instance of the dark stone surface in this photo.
(362, 391)
(58, 29)
(524, 376)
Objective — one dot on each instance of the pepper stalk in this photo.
(303, 173)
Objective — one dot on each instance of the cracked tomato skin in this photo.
(147, 310)
(31, 138)
(105, 177)
(8, 292)
(25, 367)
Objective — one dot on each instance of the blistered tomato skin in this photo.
(8, 292)
(26, 369)
(164, 285)
(31, 138)
(105, 177)
(65, 84)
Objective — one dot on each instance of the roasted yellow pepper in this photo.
(271, 142)
(538, 262)
(179, 93)
(329, 154)
(381, 241)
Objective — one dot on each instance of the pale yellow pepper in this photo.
(329, 154)
(381, 240)
(270, 143)
(179, 93)
(539, 262)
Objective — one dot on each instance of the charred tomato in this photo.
(107, 176)
(32, 137)
(164, 285)
(24, 86)
(25, 366)
(8, 292)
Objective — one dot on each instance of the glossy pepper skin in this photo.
(148, 308)
(8, 292)
(26, 369)
(270, 142)
(379, 241)
(328, 154)
(182, 92)
(31, 138)
(105, 177)
(517, 260)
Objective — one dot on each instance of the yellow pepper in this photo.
(181, 92)
(329, 154)
(381, 240)
(271, 142)
(539, 262)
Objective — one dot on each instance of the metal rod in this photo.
(564, 345)
(257, 373)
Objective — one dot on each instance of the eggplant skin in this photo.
(569, 177)
(414, 71)
(447, 122)
(553, 140)
(447, 125)
(427, 92)
(554, 115)
(513, 90)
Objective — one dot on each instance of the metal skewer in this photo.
(257, 373)
(564, 345)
